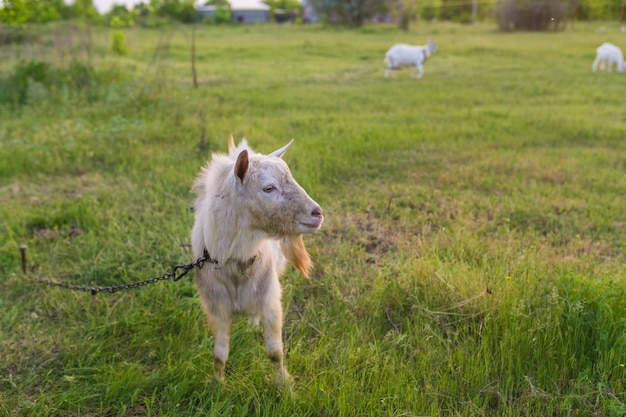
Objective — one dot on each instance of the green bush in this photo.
(551, 14)
(14, 88)
(223, 15)
(536, 15)
(598, 9)
(17, 35)
(39, 79)
(118, 44)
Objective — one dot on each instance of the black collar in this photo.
(242, 264)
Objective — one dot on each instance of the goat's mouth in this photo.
(309, 227)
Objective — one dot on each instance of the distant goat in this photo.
(250, 215)
(403, 55)
(608, 54)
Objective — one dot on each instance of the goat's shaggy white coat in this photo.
(403, 55)
(608, 55)
(249, 215)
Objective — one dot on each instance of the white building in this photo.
(243, 11)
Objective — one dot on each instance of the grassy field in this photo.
(472, 262)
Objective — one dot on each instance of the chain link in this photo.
(177, 272)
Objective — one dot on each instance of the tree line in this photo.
(510, 14)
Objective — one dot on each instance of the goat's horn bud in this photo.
(280, 152)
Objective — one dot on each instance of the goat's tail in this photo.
(295, 251)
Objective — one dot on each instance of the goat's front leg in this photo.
(594, 66)
(420, 70)
(220, 328)
(272, 328)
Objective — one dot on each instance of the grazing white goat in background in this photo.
(403, 55)
(250, 215)
(608, 54)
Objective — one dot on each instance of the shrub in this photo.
(118, 44)
(14, 89)
(598, 9)
(223, 15)
(80, 76)
(38, 79)
(537, 15)
(17, 35)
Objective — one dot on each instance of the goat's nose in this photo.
(317, 212)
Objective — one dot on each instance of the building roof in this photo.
(248, 5)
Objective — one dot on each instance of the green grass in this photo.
(472, 260)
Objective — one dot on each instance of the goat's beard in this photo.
(295, 251)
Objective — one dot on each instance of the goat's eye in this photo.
(269, 189)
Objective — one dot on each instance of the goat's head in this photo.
(432, 46)
(277, 204)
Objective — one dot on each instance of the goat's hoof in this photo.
(287, 389)
(284, 379)
(218, 370)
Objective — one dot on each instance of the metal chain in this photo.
(177, 272)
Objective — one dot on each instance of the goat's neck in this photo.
(246, 246)
(235, 242)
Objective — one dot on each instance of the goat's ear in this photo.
(280, 152)
(241, 166)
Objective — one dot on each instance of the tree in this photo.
(122, 16)
(223, 12)
(325, 8)
(599, 9)
(15, 12)
(45, 11)
(83, 9)
(283, 9)
(406, 12)
(536, 15)
(354, 12)
(351, 12)
(20, 12)
(141, 9)
(183, 10)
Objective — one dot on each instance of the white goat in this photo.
(249, 216)
(402, 54)
(608, 54)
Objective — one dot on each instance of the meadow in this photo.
(472, 262)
